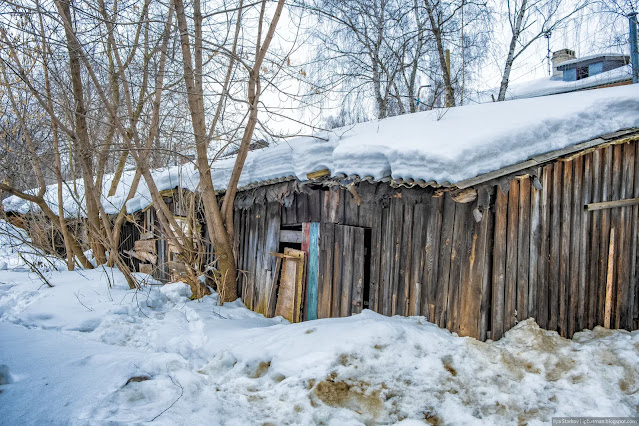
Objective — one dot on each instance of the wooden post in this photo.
(611, 256)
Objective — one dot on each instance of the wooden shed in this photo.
(553, 238)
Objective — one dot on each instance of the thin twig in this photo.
(36, 270)
(77, 297)
(178, 398)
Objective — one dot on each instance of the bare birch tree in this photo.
(530, 20)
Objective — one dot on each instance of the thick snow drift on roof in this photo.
(442, 145)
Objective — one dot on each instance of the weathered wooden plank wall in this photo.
(130, 233)
(533, 253)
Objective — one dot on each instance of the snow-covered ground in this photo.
(91, 351)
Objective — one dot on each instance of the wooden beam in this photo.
(612, 204)
(609, 275)
(318, 174)
(285, 256)
(464, 195)
(142, 255)
(148, 246)
(287, 236)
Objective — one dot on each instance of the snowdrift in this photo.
(110, 354)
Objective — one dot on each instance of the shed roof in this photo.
(440, 147)
(591, 59)
(552, 85)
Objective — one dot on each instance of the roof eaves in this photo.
(620, 136)
(591, 60)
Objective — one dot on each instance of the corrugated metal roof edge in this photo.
(341, 179)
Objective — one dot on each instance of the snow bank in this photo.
(443, 145)
(109, 354)
(14, 251)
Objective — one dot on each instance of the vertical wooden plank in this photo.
(523, 249)
(404, 261)
(499, 265)
(347, 270)
(273, 224)
(306, 242)
(351, 210)
(564, 262)
(376, 258)
(616, 220)
(472, 281)
(247, 250)
(604, 229)
(435, 208)
(445, 251)
(251, 264)
(626, 158)
(289, 210)
(510, 314)
(359, 257)
(584, 261)
(328, 214)
(313, 271)
(261, 262)
(543, 270)
(315, 205)
(633, 311)
(628, 299)
(535, 247)
(273, 289)
(577, 211)
(397, 211)
(417, 261)
(237, 228)
(594, 259)
(486, 272)
(463, 229)
(325, 278)
(365, 212)
(238, 218)
(555, 247)
(609, 279)
(386, 262)
(338, 242)
(301, 208)
(340, 200)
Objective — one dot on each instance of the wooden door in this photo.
(341, 266)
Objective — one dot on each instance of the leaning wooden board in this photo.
(289, 297)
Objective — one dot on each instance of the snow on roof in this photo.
(440, 145)
(589, 58)
(551, 86)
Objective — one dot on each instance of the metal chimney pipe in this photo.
(634, 52)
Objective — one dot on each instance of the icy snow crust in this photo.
(86, 353)
(444, 145)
